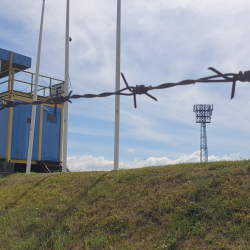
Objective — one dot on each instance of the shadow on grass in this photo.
(83, 194)
(68, 211)
(13, 203)
(3, 178)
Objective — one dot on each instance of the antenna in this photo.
(203, 114)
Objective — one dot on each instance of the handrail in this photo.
(31, 74)
(27, 82)
(10, 70)
(12, 79)
(5, 82)
(41, 75)
(4, 71)
(44, 87)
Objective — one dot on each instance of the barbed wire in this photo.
(134, 91)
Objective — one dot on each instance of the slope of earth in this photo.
(185, 206)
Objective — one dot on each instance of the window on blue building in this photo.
(51, 118)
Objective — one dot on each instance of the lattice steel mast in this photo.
(203, 114)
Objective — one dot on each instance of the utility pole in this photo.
(33, 115)
(117, 88)
(66, 92)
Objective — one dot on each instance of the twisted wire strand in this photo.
(138, 90)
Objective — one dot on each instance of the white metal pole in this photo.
(66, 92)
(33, 115)
(117, 88)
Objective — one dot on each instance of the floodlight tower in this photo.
(203, 114)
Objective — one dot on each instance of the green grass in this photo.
(185, 206)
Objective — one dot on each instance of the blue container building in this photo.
(15, 122)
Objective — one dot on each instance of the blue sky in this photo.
(162, 41)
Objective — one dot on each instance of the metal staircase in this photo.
(51, 166)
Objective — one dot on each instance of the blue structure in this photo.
(19, 62)
(15, 122)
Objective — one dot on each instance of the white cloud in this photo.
(234, 155)
(90, 163)
(131, 150)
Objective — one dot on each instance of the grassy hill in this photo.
(185, 206)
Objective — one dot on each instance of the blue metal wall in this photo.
(4, 120)
(51, 135)
(21, 132)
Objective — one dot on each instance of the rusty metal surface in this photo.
(138, 90)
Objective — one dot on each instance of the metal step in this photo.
(51, 166)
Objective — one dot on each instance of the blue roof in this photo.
(17, 58)
(19, 61)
